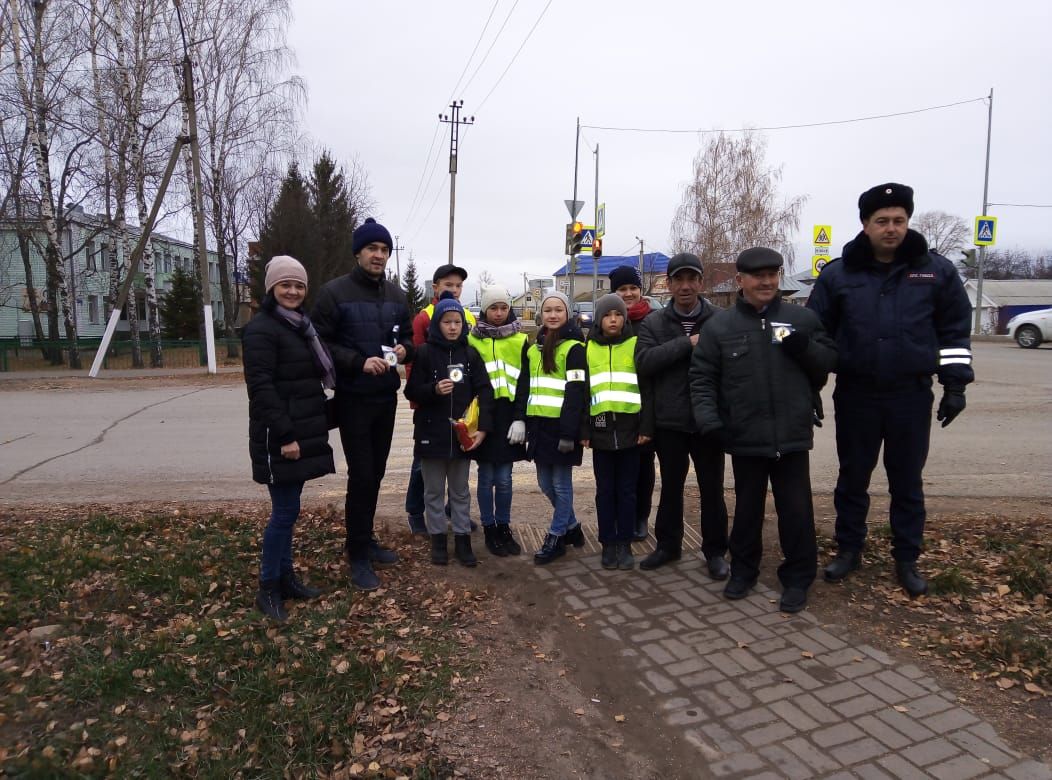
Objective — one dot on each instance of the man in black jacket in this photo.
(665, 340)
(364, 319)
(899, 314)
(754, 378)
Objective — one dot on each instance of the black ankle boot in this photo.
(553, 547)
(292, 587)
(609, 557)
(462, 550)
(910, 579)
(268, 599)
(843, 563)
(510, 545)
(439, 553)
(494, 541)
(575, 536)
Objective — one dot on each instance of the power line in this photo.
(491, 45)
(472, 55)
(1024, 205)
(784, 127)
(515, 56)
(423, 173)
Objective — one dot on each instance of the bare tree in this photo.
(486, 279)
(946, 233)
(732, 203)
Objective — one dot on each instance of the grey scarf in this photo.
(301, 324)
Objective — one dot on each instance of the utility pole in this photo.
(595, 223)
(398, 260)
(571, 263)
(641, 260)
(454, 141)
(986, 205)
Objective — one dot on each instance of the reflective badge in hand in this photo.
(779, 330)
(456, 372)
(390, 355)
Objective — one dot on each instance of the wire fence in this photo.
(22, 355)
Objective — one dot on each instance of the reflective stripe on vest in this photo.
(502, 358)
(547, 391)
(430, 309)
(612, 378)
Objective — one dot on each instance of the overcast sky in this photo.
(379, 73)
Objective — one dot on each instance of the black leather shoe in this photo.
(553, 547)
(641, 531)
(575, 536)
(268, 601)
(462, 550)
(494, 541)
(510, 545)
(738, 588)
(659, 558)
(910, 579)
(439, 550)
(609, 558)
(793, 600)
(843, 563)
(381, 556)
(291, 587)
(719, 569)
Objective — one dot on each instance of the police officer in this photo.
(753, 379)
(899, 314)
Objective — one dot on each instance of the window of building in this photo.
(91, 261)
(166, 262)
(601, 284)
(93, 309)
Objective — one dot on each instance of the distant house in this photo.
(652, 269)
(1005, 298)
(83, 244)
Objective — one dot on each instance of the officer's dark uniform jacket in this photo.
(749, 389)
(286, 402)
(898, 323)
(356, 315)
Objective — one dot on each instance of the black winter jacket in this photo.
(286, 402)
(747, 388)
(543, 433)
(356, 315)
(663, 361)
(899, 324)
(611, 430)
(432, 430)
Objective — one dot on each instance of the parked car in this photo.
(475, 310)
(583, 312)
(1031, 328)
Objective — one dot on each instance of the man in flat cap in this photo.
(754, 377)
(899, 314)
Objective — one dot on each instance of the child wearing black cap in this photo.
(612, 429)
(447, 375)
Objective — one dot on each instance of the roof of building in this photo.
(1013, 292)
(653, 262)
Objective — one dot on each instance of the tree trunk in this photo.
(218, 233)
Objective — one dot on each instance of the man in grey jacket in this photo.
(665, 340)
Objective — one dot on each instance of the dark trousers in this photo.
(675, 450)
(790, 479)
(616, 473)
(276, 556)
(900, 420)
(366, 430)
(645, 483)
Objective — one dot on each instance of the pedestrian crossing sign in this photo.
(823, 235)
(985, 231)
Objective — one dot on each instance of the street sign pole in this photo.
(595, 260)
(986, 205)
(571, 270)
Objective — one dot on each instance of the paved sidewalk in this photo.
(766, 695)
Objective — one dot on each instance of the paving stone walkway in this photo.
(765, 695)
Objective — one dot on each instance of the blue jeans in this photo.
(556, 482)
(276, 558)
(414, 495)
(494, 493)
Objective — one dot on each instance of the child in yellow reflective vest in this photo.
(499, 340)
(551, 404)
(613, 428)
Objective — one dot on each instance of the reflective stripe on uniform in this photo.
(612, 378)
(949, 356)
(548, 390)
(502, 357)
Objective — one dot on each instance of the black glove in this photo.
(795, 343)
(951, 405)
(566, 445)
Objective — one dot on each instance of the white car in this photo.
(1031, 328)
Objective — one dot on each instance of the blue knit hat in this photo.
(446, 304)
(368, 232)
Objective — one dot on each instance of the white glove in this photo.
(517, 432)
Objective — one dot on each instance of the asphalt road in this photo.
(142, 440)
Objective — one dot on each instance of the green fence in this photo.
(19, 355)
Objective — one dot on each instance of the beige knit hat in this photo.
(284, 268)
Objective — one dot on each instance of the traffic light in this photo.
(578, 237)
(969, 258)
(597, 248)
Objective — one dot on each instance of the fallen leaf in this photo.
(619, 718)
(807, 654)
(578, 711)
(1004, 683)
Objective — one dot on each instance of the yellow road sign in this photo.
(818, 262)
(985, 231)
(823, 235)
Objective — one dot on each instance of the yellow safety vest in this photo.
(612, 377)
(430, 309)
(503, 359)
(547, 391)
